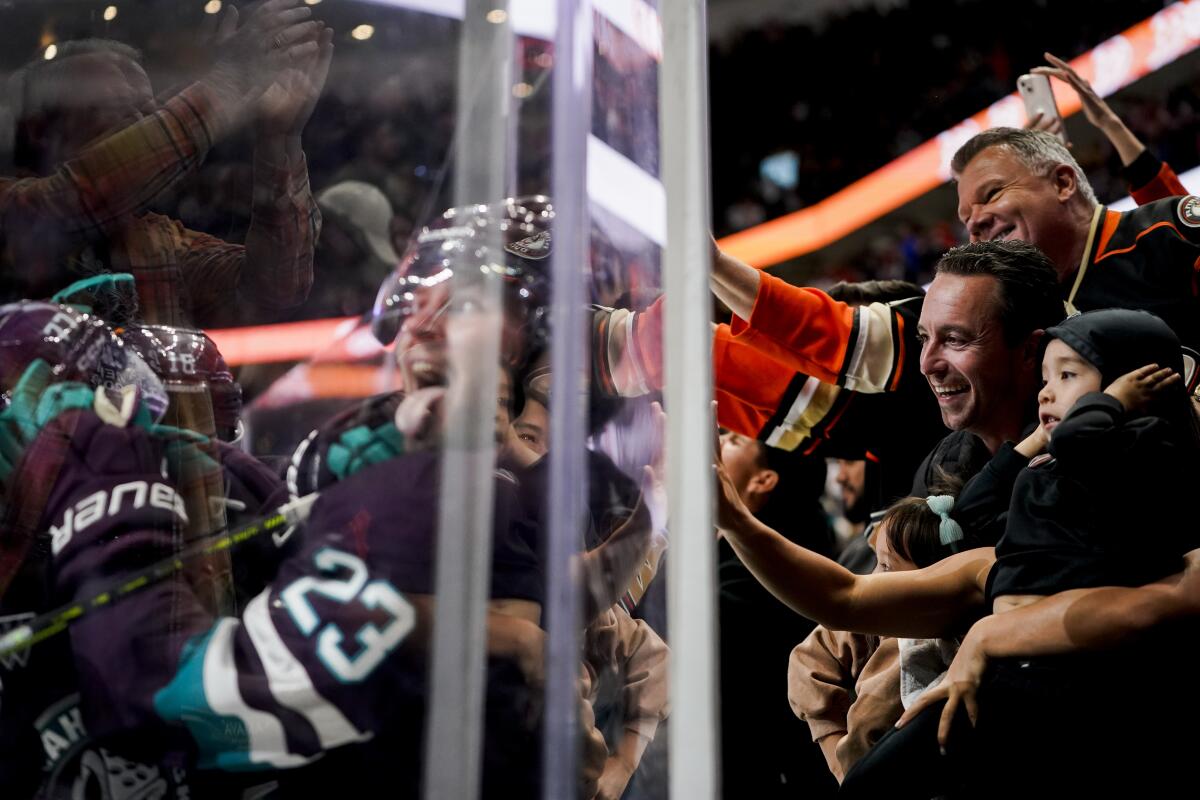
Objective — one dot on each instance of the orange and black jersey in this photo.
(805, 372)
(809, 372)
(1147, 258)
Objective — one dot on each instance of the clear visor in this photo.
(440, 282)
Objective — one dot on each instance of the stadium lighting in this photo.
(905, 179)
(363, 32)
(50, 52)
(212, 7)
(110, 13)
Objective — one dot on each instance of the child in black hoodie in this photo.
(1107, 506)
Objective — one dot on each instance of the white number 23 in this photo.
(374, 642)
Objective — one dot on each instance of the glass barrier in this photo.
(272, 576)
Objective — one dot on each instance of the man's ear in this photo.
(1066, 182)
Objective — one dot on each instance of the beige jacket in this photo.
(627, 662)
(845, 686)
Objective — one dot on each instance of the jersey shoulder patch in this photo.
(1188, 211)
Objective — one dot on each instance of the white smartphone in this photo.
(1039, 97)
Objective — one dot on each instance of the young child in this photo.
(1106, 507)
(848, 686)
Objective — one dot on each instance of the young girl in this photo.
(847, 686)
(1107, 508)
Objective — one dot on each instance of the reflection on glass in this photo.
(228, 567)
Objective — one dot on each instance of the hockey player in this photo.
(328, 655)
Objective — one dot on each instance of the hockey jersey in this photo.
(1147, 259)
(46, 747)
(806, 373)
(329, 653)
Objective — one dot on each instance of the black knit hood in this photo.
(1117, 341)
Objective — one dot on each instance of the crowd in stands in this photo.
(952, 489)
(950, 57)
(356, 136)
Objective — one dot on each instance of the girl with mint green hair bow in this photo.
(949, 531)
(919, 531)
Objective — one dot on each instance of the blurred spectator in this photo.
(95, 150)
(851, 478)
(354, 251)
(770, 754)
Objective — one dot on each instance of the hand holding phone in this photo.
(1038, 97)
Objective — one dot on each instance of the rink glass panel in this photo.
(295, 656)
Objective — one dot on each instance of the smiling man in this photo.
(797, 369)
(979, 332)
(973, 342)
(1013, 185)
(1022, 184)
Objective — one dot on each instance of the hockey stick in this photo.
(45, 625)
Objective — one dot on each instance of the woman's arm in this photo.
(927, 603)
(939, 600)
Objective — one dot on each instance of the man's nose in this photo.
(931, 360)
(979, 224)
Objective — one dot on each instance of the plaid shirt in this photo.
(89, 217)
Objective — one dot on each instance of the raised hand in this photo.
(654, 488)
(731, 510)
(419, 416)
(273, 35)
(1098, 112)
(1040, 122)
(287, 104)
(1035, 443)
(1136, 390)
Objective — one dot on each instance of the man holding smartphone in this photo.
(1022, 184)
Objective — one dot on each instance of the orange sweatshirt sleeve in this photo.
(808, 331)
(779, 376)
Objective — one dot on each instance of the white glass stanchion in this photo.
(568, 475)
(688, 371)
(453, 748)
